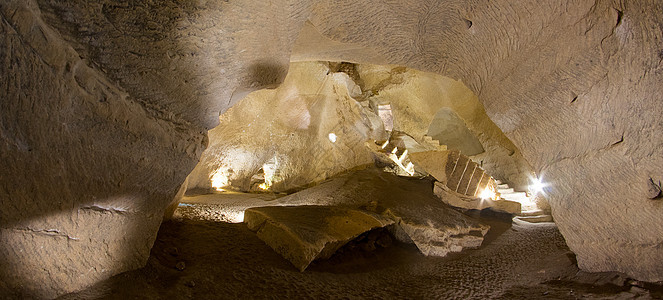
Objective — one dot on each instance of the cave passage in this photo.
(284, 161)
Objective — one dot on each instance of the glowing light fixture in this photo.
(332, 137)
(537, 185)
(385, 144)
(403, 156)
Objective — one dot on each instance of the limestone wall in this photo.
(103, 113)
(574, 84)
(289, 129)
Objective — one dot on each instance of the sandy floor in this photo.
(201, 256)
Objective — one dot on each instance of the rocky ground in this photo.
(202, 259)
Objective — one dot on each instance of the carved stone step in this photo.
(536, 219)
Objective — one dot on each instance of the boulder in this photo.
(375, 199)
(302, 234)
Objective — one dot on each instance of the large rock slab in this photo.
(302, 234)
(418, 216)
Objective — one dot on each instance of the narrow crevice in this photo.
(468, 23)
(620, 16)
(621, 139)
(574, 97)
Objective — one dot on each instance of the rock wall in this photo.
(574, 84)
(416, 97)
(289, 129)
(103, 114)
(106, 103)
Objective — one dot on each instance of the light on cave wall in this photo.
(332, 137)
(220, 179)
(270, 170)
(537, 185)
(235, 217)
(488, 193)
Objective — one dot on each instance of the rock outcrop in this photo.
(104, 113)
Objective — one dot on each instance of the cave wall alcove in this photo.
(106, 107)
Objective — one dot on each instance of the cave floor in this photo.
(198, 255)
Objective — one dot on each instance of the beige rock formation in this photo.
(302, 234)
(573, 85)
(308, 129)
(417, 98)
(434, 227)
(105, 107)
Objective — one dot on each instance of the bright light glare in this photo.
(269, 169)
(332, 137)
(487, 194)
(536, 186)
(219, 179)
(237, 217)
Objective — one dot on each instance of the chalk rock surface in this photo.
(299, 233)
(302, 234)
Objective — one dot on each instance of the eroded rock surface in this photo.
(108, 111)
(104, 112)
(302, 234)
(285, 133)
(575, 86)
(419, 217)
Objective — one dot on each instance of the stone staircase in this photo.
(529, 211)
(435, 144)
(400, 145)
(456, 173)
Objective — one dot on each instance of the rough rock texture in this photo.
(315, 222)
(451, 130)
(302, 234)
(86, 169)
(114, 104)
(421, 218)
(288, 128)
(574, 84)
(416, 98)
(103, 114)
